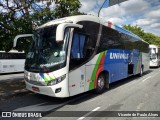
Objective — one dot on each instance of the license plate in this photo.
(36, 89)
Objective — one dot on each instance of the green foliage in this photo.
(19, 17)
(65, 8)
(43, 16)
(10, 27)
(149, 37)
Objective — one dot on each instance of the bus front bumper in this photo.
(53, 91)
(153, 64)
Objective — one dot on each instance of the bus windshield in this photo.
(45, 53)
(153, 54)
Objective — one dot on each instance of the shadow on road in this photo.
(91, 94)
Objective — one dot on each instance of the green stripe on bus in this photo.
(139, 63)
(45, 79)
(50, 78)
(93, 77)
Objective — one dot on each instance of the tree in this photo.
(19, 17)
(66, 8)
(14, 19)
(135, 29)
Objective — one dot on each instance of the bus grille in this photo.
(36, 82)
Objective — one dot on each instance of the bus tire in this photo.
(141, 72)
(101, 84)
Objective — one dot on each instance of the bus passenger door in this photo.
(76, 65)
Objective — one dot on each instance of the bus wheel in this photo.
(101, 83)
(141, 72)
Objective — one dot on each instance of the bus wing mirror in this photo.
(61, 28)
(20, 36)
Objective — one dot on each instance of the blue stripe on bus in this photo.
(116, 63)
(41, 74)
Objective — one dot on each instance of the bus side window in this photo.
(80, 50)
(77, 51)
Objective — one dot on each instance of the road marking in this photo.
(146, 79)
(81, 118)
(139, 106)
(96, 109)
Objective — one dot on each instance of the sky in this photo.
(143, 13)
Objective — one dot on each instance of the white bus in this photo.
(12, 61)
(76, 54)
(154, 56)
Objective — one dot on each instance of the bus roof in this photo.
(78, 18)
(153, 46)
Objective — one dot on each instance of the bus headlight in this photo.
(56, 80)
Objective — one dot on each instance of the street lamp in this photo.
(110, 3)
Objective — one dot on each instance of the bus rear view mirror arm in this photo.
(20, 36)
(61, 29)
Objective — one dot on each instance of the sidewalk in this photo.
(11, 85)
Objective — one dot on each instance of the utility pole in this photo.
(101, 8)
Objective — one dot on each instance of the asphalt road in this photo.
(131, 94)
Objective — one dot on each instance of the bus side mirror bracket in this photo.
(61, 28)
(20, 36)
